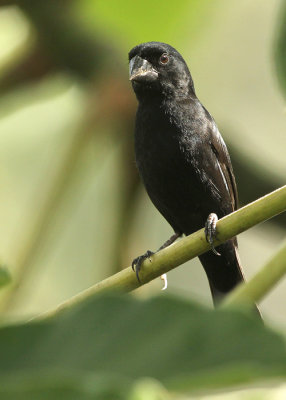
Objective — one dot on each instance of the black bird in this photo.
(182, 158)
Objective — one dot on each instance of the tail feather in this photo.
(224, 272)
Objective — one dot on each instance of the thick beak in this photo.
(141, 70)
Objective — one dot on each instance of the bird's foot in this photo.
(137, 262)
(210, 231)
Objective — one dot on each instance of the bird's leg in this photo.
(166, 244)
(170, 240)
(210, 231)
(137, 262)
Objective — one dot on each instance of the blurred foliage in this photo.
(280, 48)
(128, 20)
(119, 339)
(72, 207)
(5, 276)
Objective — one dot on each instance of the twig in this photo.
(186, 249)
(261, 284)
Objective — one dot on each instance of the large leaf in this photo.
(57, 385)
(84, 386)
(120, 339)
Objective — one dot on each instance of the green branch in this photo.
(187, 248)
(261, 284)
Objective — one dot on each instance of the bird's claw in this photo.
(210, 231)
(137, 262)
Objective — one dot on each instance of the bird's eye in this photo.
(164, 59)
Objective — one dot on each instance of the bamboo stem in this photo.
(192, 246)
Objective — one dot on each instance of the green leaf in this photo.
(119, 339)
(280, 48)
(57, 385)
(5, 276)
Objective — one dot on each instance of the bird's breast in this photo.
(166, 156)
(163, 159)
(157, 150)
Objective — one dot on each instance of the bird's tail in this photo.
(224, 272)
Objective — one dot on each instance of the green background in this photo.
(72, 208)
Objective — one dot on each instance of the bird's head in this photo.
(157, 69)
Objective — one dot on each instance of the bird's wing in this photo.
(220, 152)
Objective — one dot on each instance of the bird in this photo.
(183, 160)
